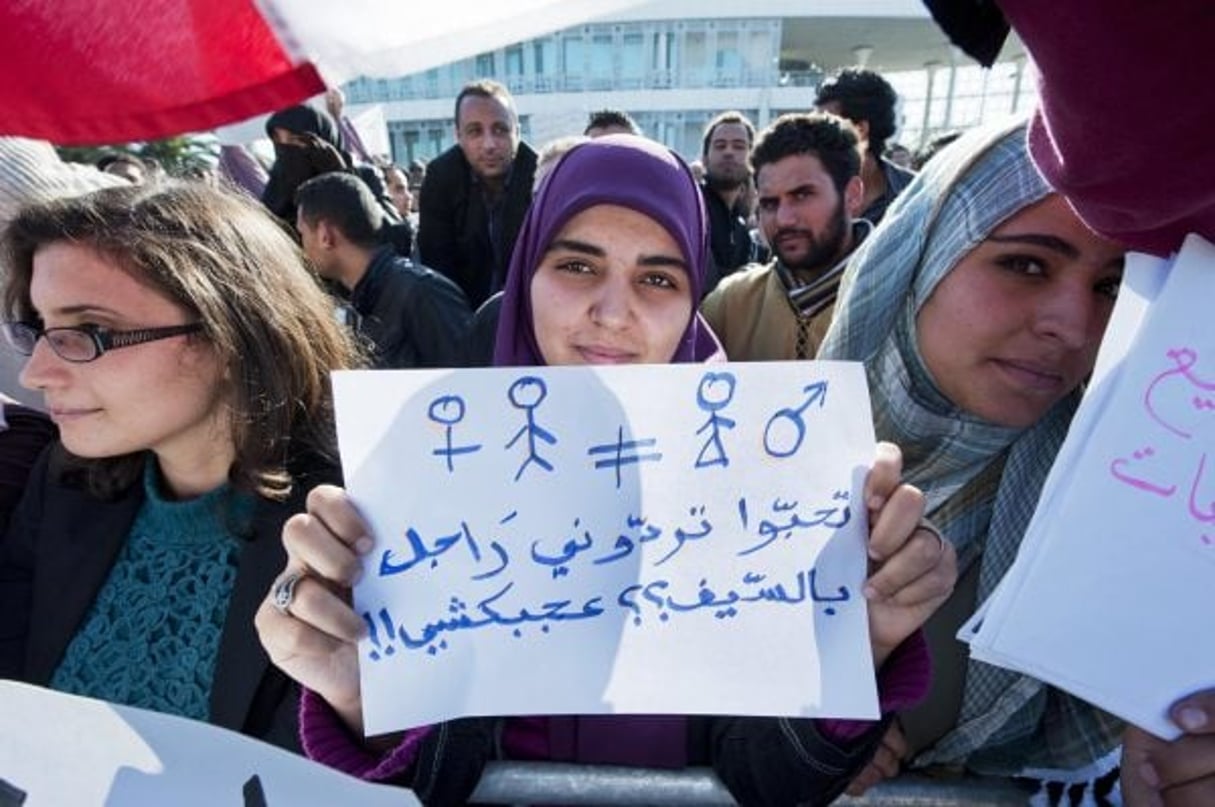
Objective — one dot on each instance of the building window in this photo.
(728, 62)
(485, 65)
(694, 64)
(514, 61)
(544, 57)
(601, 59)
(695, 51)
(662, 50)
(435, 144)
(573, 58)
(572, 55)
(632, 58)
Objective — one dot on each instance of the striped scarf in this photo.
(1008, 721)
(810, 298)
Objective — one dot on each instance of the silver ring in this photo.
(284, 592)
(928, 526)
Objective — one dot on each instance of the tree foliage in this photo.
(184, 154)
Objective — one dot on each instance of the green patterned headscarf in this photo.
(1008, 721)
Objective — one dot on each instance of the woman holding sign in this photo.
(607, 269)
(193, 417)
(978, 308)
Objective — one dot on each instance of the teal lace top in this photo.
(151, 637)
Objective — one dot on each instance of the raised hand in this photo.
(912, 568)
(306, 623)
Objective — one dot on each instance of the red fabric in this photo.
(88, 71)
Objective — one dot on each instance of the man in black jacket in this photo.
(476, 193)
(727, 143)
(412, 316)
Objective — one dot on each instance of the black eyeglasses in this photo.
(85, 343)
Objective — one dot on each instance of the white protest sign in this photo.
(58, 749)
(1116, 579)
(675, 539)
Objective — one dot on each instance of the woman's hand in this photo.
(912, 568)
(313, 638)
(1180, 773)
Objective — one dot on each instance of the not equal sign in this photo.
(623, 452)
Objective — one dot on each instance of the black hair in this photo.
(732, 116)
(485, 88)
(611, 118)
(828, 137)
(863, 95)
(345, 201)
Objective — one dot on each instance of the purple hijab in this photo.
(645, 176)
(625, 170)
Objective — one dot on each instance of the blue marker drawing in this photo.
(830, 517)
(527, 393)
(618, 448)
(373, 634)
(449, 410)
(486, 614)
(682, 536)
(842, 594)
(560, 563)
(780, 446)
(715, 392)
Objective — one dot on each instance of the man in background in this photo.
(727, 143)
(476, 193)
(807, 173)
(411, 316)
(868, 100)
(610, 121)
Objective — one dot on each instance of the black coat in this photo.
(412, 316)
(58, 552)
(453, 226)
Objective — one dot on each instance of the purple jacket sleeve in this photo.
(326, 739)
(903, 682)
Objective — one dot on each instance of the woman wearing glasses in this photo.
(183, 350)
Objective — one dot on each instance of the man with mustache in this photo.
(728, 140)
(807, 171)
(476, 193)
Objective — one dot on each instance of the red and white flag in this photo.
(104, 71)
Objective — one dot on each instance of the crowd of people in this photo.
(176, 534)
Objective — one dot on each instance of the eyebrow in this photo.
(1053, 243)
(576, 246)
(805, 186)
(585, 248)
(84, 308)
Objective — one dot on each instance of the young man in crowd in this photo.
(727, 142)
(412, 317)
(868, 100)
(476, 193)
(807, 172)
